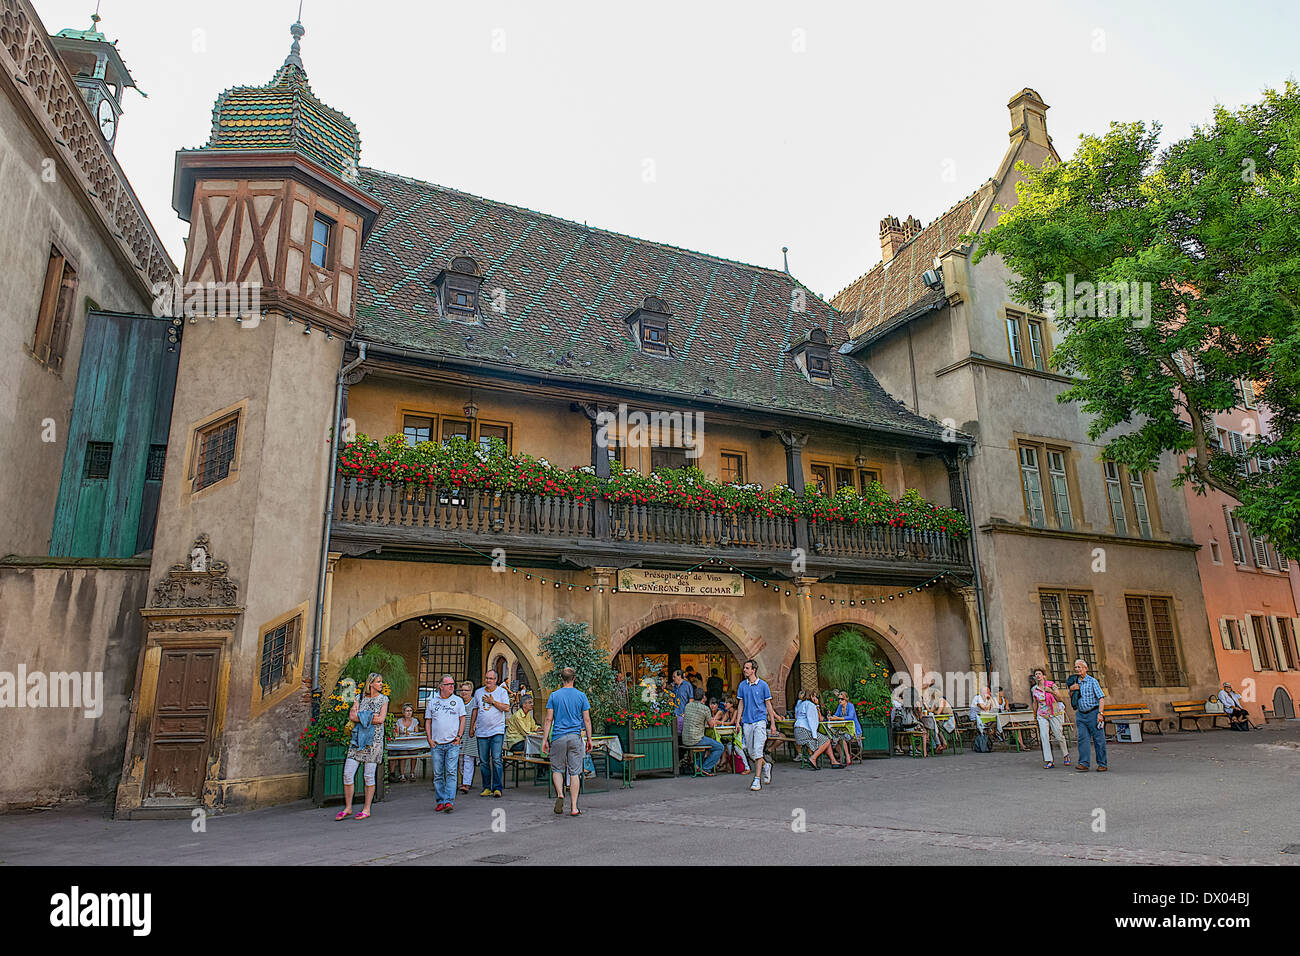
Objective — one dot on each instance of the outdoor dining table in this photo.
(410, 747)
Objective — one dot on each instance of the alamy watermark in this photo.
(1087, 300)
(638, 429)
(212, 299)
(54, 689)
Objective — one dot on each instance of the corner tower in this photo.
(277, 222)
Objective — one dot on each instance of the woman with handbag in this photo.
(369, 711)
(1049, 708)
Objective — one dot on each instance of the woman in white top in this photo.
(807, 719)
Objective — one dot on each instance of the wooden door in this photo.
(182, 724)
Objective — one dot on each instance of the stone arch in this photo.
(512, 629)
(715, 620)
(896, 650)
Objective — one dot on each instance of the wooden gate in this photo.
(182, 725)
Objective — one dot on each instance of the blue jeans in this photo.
(489, 759)
(1089, 732)
(715, 752)
(444, 771)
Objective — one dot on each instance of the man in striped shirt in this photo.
(1089, 719)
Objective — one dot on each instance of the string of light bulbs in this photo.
(778, 587)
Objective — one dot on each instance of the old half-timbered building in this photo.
(394, 307)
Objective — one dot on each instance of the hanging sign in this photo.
(704, 583)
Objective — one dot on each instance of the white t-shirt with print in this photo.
(443, 715)
(491, 720)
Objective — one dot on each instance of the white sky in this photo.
(560, 106)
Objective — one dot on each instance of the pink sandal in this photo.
(362, 815)
(342, 815)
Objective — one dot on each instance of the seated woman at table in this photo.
(806, 720)
(943, 718)
(846, 711)
(468, 755)
(407, 726)
(520, 724)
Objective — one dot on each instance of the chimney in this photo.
(911, 228)
(1029, 117)
(891, 237)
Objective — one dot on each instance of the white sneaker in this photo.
(767, 772)
(755, 785)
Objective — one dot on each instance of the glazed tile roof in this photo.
(568, 288)
(892, 292)
(282, 115)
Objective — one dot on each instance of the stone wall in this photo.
(65, 615)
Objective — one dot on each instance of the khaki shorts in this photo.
(754, 738)
(566, 755)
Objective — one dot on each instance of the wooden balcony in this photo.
(413, 520)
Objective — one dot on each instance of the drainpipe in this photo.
(975, 561)
(325, 533)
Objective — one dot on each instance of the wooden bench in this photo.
(1018, 723)
(628, 761)
(1192, 710)
(913, 735)
(1132, 713)
(516, 761)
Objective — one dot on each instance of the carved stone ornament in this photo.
(201, 582)
(192, 624)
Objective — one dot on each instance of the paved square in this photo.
(1196, 799)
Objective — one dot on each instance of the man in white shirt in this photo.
(1238, 717)
(487, 724)
(444, 727)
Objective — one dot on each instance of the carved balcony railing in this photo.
(382, 511)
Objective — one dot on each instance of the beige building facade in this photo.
(1077, 558)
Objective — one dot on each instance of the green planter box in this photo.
(327, 777)
(659, 744)
(875, 741)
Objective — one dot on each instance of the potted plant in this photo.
(324, 742)
(854, 662)
(648, 724)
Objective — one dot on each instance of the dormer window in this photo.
(458, 288)
(649, 325)
(812, 355)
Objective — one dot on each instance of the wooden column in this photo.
(600, 462)
(794, 443)
(807, 637)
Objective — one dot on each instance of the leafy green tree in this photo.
(571, 644)
(1210, 229)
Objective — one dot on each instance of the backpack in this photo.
(982, 744)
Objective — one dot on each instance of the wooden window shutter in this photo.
(1234, 537)
(1278, 644)
(1224, 635)
(43, 338)
(1248, 631)
(63, 317)
(1261, 551)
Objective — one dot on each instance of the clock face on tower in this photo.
(107, 120)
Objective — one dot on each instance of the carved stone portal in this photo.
(202, 582)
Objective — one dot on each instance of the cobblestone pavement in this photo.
(1184, 799)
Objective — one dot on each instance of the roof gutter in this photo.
(325, 534)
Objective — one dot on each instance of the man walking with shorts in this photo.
(757, 720)
(569, 712)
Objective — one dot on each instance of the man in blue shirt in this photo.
(569, 712)
(1089, 718)
(757, 719)
(684, 692)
